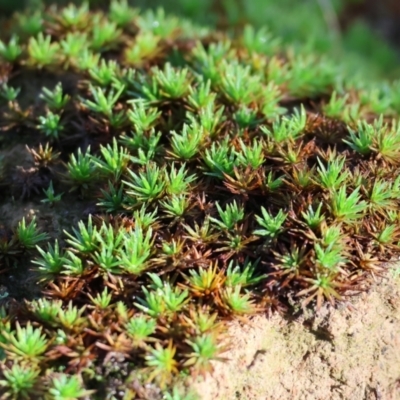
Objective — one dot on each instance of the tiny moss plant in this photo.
(179, 178)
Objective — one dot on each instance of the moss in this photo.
(181, 177)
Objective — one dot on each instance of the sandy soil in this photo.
(350, 353)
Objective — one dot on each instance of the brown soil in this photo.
(348, 352)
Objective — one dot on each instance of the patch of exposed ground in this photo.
(351, 352)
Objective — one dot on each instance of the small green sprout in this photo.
(136, 250)
(9, 93)
(237, 303)
(201, 233)
(270, 98)
(140, 328)
(332, 236)
(277, 70)
(176, 206)
(86, 59)
(73, 17)
(146, 144)
(51, 261)
(173, 248)
(303, 177)
(113, 199)
(381, 196)
(253, 156)
(162, 363)
(204, 350)
(142, 117)
(322, 286)
(11, 51)
(115, 160)
(235, 243)
(145, 186)
(237, 84)
(20, 380)
(201, 96)
(271, 183)
(28, 235)
(106, 258)
(145, 219)
(313, 218)
(172, 83)
(233, 214)
(166, 290)
(71, 317)
(105, 35)
(105, 73)
(202, 321)
(206, 61)
(287, 128)
(310, 76)
(73, 265)
(74, 45)
(121, 14)
(81, 168)
(42, 51)
(51, 125)
(220, 159)
(186, 144)
(27, 343)
(361, 140)
(205, 281)
(177, 180)
(209, 119)
(388, 235)
(102, 300)
(151, 304)
(377, 99)
(30, 24)
(122, 311)
(46, 310)
(290, 262)
(329, 258)
(67, 387)
(336, 106)
(145, 47)
(334, 175)
(55, 99)
(102, 104)
(272, 226)
(246, 117)
(51, 198)
(387, 141)
(243, 276)
(109, 242)
(347, 208)
(85, 239)
(173, 298)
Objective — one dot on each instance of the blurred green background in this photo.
(364, 33)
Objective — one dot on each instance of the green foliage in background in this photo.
(308, 24)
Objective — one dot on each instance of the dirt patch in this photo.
(351, 352)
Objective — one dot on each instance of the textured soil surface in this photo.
(351, 352)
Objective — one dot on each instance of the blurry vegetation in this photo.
(312, 24)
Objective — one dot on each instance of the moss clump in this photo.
(221, 176)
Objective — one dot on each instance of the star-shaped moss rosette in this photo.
(228, 175)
